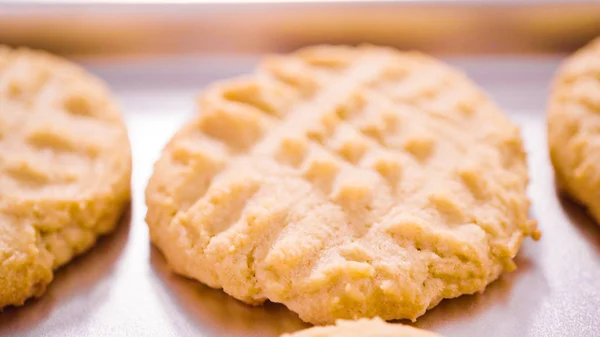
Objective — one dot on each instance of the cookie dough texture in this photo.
(363, 328)
(344, 183)
(65, 168)
(574, 127)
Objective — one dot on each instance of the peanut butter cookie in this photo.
(65, 168)
(343, 182)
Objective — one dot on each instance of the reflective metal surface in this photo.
(123, 286)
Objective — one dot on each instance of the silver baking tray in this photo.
(157, 57)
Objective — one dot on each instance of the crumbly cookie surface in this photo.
(363, 328)
(65, 168)
(574, 127)
(344, 183)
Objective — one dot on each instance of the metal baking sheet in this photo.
(123, 287)
(157, 57)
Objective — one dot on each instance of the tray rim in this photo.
(227, 3)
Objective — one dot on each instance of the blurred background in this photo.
(133, 27)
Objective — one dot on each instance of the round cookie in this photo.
(344, 183)
(363, 328)
(574, 127)
(65, 168)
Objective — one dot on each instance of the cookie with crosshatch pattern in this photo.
(65, 168)
(343, 182)
(574, 127)
(363, 328)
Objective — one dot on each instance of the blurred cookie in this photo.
(344, 183)
(363, 328)
(65, 168)
(574, 127)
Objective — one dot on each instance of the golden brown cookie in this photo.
(65, 168)
(363, 328)
(344, 183)
(574, 127)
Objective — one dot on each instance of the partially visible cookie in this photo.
(363, 328)
(344, 183)
(65, 168)
(574, 127)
